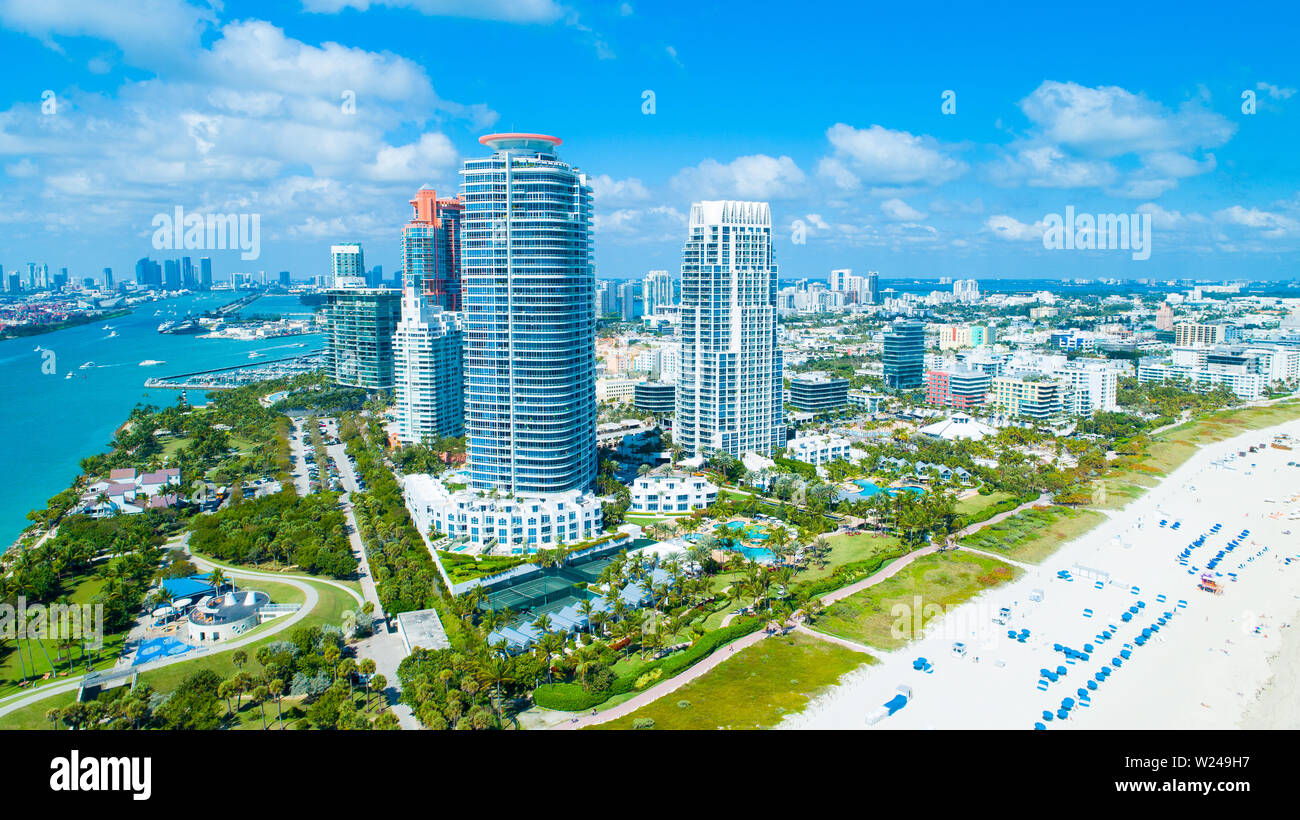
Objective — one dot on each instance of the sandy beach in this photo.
(1219, 661)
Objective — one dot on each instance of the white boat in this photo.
(151, 362)
(38, 349)
(87, 364)
(254, 355)
(111, 335)
(69, 375)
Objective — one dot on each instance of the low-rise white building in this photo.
(512, 523)
(672, 493)
(818, 449)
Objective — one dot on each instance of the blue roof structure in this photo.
(193, 586)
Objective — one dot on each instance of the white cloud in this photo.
(752, 177)
(1266, 223)
(510, 11)
(1275, 92)
(240, 128)
(147, 31)
(879, 155)
(1109, 121)
(1012, 229)
(1047, 166)
(899, 210)
(612, 192)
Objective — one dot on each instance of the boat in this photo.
(87, 364)
(151, 362)
(38, 349)
(254, 355)
(69, 375)
(111, 335)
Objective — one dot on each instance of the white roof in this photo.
(958, 426)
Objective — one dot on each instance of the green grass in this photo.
(754, 689)
(978, 503)
(942, 579)
(1032, 535)
(846, 549)
(32, 716)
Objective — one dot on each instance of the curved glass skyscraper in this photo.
(529, 319)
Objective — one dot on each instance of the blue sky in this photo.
(830, 111)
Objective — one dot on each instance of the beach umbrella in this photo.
(1087, 647)
(1083, 693)
(1092, 684)
(1047, 715)
(1067, 703)
(1061, 670)
(1040, 726)
(1062, 714)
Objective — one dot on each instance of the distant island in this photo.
(19, 331)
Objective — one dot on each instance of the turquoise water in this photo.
(51, 422)
(748, 532)
(869, 489)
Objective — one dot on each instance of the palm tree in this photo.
(260, 696)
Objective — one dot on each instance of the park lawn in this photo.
(11, 669)
(173, 445)
(32, 716)
(754, 689)
(978, 503)
(1032, 535)
(943, 579)
(845, 549)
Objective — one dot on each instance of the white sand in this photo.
(1207, 668)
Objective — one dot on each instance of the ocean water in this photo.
(51, 422)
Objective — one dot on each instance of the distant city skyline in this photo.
(867, 164)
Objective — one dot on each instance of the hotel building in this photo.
(729, 390)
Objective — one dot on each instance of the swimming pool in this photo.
(743, 531)
(870, 488)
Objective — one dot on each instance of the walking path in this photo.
(1001, 558)
(847, 644)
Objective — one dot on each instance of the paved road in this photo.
(384, 648)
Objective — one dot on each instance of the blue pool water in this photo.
(870, 488)
(159, 648)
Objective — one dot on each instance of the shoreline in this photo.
(1207, 668)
